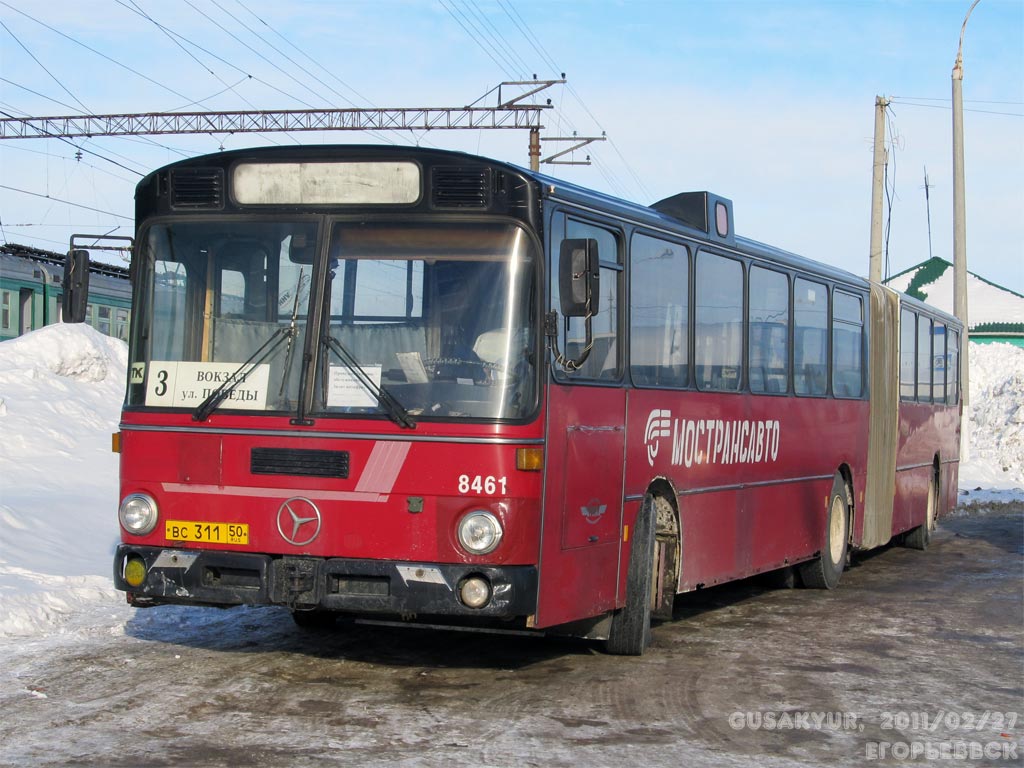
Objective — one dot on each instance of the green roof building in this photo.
(995, 313)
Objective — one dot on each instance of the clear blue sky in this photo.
(768, 103)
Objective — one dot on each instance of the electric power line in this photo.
(509, 74)
(66, 202)
(949, 107)
(305, 71)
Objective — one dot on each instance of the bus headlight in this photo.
(479, 532)
(138, 514)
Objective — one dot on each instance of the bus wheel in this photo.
(314, 620)
(918, 538)
(630, 632)
(825, 570)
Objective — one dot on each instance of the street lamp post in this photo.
(960, 225)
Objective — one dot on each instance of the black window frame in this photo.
(555, 235)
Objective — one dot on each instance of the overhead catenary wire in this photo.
(501, 65)
(472, 15)
(294, 47)
(135, 6)
(301, 68)
(65, 202)
(535, 42)
(42, 66)
(64, 104)
(145, 77)
(233, 88)
(246, 45)
(93, 50)
(83, 149)
(524, 28)
(363, 100)
(501, 44)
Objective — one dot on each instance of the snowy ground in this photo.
(60, 394)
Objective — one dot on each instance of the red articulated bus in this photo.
(421, 385)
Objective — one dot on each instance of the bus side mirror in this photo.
(579, 277)
(76, 287)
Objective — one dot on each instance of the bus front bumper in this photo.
(207, 577)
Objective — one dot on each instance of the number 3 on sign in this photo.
(486, 486)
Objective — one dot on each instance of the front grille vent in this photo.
(298, 461)
(197, 188)
(457, 187)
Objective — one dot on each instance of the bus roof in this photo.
(639, 215)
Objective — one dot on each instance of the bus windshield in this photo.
(426, 320)
(436, 315)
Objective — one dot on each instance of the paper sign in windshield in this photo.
(412, 364)
(173, 384)
(344, 390)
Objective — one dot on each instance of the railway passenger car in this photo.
(31, 290)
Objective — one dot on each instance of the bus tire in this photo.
(824, 571)
(630, 632)
(918, 538)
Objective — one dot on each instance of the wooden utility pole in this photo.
(960, 221)
(877, 181)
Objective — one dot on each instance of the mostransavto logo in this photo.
(712, 441)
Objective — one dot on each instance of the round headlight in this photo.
(479, 532)
(475, 592)
(137, 514)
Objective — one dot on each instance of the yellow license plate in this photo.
(207, 533)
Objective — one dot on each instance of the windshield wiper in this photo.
(220, 394)
(394, 409)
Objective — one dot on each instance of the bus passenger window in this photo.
(952, 367)
(908, 353)
(810, 339)
(939, 363)
(924, 360)
(718, 302)
(847, 346)
(768, 365)
(659, 317)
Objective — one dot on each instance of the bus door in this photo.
(586, 417)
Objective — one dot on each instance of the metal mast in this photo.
(510, 113)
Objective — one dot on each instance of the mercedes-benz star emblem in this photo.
(298, 515)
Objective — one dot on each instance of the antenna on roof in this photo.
(928, 207)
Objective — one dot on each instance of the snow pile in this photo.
(996, 409)
(61, 390)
